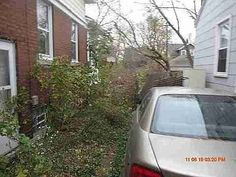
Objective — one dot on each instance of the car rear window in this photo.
(204, 116)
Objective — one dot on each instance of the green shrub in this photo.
(68, 87)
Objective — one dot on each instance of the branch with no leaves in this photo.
(176, 30)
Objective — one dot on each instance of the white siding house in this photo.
(215, 47)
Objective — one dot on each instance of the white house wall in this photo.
(214, 11)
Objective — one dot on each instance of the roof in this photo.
(182, 47)
(185, 90)
(180, 61)
(174, 46)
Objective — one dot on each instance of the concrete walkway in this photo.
(7, 145)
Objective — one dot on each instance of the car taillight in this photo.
(139, 171)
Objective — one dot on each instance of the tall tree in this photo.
(100, 42)
(172, 5)
(147, 38)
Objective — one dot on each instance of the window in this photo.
(204, 116)
(144, 104)
(223, 47)
(74, 42)
(183, 52)
(44, 15)
(191, 52)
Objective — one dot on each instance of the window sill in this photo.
(44, 57)
(221, 75)
(74, 62)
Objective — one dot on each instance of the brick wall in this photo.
(18, 23)
(62, 33)
(82, 44)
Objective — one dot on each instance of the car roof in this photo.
(185, 90)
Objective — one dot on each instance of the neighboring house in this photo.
(215, 50)
(135, 61)
(38, 29)
(173, 50)
(179, 60)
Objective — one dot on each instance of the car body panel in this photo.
(139, 150)
(171, 153)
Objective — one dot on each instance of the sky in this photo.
(135, 11)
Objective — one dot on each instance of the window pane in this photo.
(224, 34)
(4, 68)
(183, 52)
(73, 32)
(43, 42)
(196, 115)
(222, 60)
(43, 9)
(73, 51)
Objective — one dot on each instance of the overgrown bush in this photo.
(96, 107)
(26, 161)
(115, 93)
(68, 87)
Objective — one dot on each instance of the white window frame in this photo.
(76, 42)
(217, 47)
(183, 52)
(10, 47)
(50, 31)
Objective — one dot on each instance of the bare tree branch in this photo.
(153, 2)
(176, 15)
(126, 20)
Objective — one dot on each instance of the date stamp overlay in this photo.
(219, 159)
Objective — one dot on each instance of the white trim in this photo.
(7, 87)
(76, 59)
(51, 47)
(45, 57)
(88, 52)
(200, 13)
(77, 18)
(183, 52)
(49, 31)
(10, 47)
(217, 47)
(42, 29)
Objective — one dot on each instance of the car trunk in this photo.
(188, 157)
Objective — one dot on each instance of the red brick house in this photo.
(38, 29)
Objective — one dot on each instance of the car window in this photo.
(196, 115)
(144, 104)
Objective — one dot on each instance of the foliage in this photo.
(116, 93)
(100, 43)
(92, 141)
(68, 87)
(26, 161)
(8, 114)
